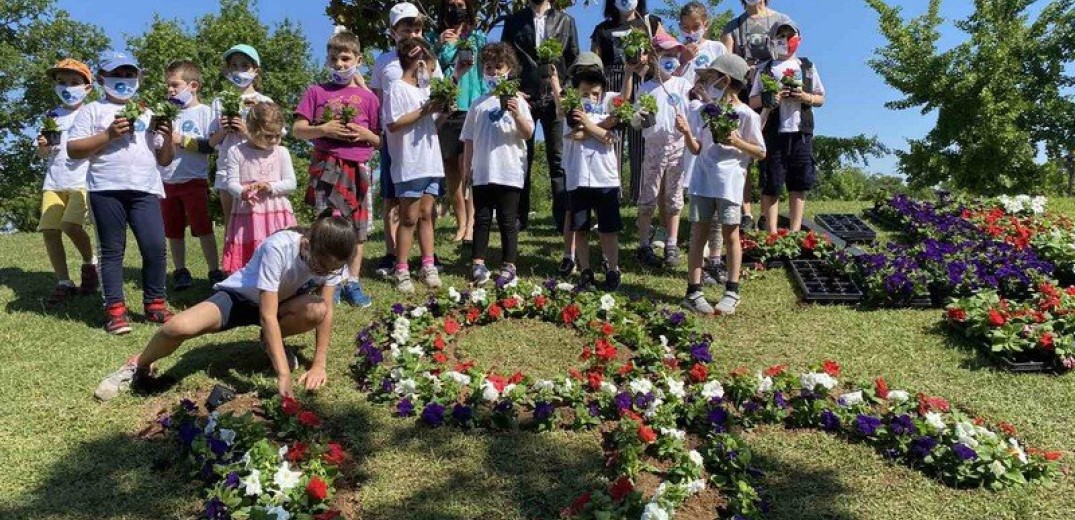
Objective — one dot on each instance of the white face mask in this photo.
(183, 97)
(242, 79)
(752, 2)
(492, 81)
(669, 64)
(121, 88)
(626, 6)
(780, 47)
(693, 37)
(71, 96)
(343, 77)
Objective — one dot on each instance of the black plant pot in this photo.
(52, 138)
(768, 100)
(647, 120)
(573, 121)
(504, 102)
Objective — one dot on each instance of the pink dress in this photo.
(254, 220)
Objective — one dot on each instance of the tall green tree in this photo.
(718, 17)
(999, 95)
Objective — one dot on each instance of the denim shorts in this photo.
(721, 211)
(416, 188)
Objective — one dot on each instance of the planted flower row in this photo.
(786, 245)
(279, 467)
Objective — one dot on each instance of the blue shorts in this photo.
(416, 188)
(789, 162)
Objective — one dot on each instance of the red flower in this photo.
(335, 455)
(880, 387)
(509, 303)
(586, 354)
(1046, 341)
(516, 378)
(438, 343)
(1053, 455)
(575, 374)
(309, 419)
(775, 370)
(740, 372)
(627, 368)
(499, 382)
(595, 379)
(1007, 428)
(996, 318)
(771, 239)
(699, 373)
(570, 313)
(607, 329)
(630, 414)
(621, 488)
(296, 452)
(618, 101)
(1070, 290)
(331, 514)
(957, 315)
(810, 242)
(789, 73)
(646, 434)
(317, 489)
(463, 367)
(540, 301)
(605, 350)
(451, 327)
(577, 505)
(928, 404)
(831, 368)
(291, 406)
(671, 363)
(473, 314)
(439, 357)
(495, 311)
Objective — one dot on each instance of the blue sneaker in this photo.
(352, 292)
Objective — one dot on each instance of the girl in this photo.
(417, 170)
(259, 176)
(700, 50)
(242, 67)
(274, 292)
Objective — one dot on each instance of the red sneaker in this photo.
(157, 311)
(118, 323)
(90, 279)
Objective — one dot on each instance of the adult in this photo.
(607, 41)
(525, 30)
(748, 36)
(458, 25)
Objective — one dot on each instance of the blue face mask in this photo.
(71, 96)
(121, 88)
(182, 98)
(492, 81)
(343, 77)
(242, 79)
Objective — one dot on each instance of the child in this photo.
(242, 68)
(662, 171)
(406, 22)
(717, 183)
(186, 180)
(789, 130)
(494, 159)
(699, 50)
(63, 202)
(417, 171)
(590, 160)
(285, 289)
(259, 177)
(125, 187)
(339, 169)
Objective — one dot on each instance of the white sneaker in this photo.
(728, 303)
(430, 276)
(117, 382)
(404, 283)
(696, 302)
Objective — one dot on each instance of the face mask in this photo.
(752, 2)
(455, 15)
(242, 79)
(693, 37)
(492, 81)
(121, 88)
(422, 75)
(71, 96)
(343, 77)
(669, 64)
(182, 98)
(626, 6)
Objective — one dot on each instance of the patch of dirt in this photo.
(158, 407)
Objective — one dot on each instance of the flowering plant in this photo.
(443, 90)
(721, 119)
(550, 51)
(231, 103)
(790, 79)
(1022, 204)
(622, 109)
(785, 244)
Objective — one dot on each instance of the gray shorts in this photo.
(720, 211)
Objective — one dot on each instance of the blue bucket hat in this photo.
(112, 60)
(243, 48)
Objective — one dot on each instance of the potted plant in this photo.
(647, 110)
(231, 104)
(505, 90)
(721, 119)
(464, 54)
(635, 44)
(50, 130)
(623, 110)
(327, 114)
(443, 90)
(549, 53)
(163, 111)
(769, 88)
(790, 80)
(132, 111)
(572, 101)
(348, 113)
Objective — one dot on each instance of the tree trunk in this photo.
(1070, 164)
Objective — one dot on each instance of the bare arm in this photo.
(269, 307)
(166, 153)
(409, 119)
(87, 146)
(753, 150)
(317, 376)
(468, 160)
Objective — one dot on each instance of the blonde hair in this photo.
(188, 70)
(265, 117)
(344, 41)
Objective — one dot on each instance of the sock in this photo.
(693, 288)
(569, 256)
(715, 260)
(67, 283)
(427, 261)
(671, 242)
(732, 287)
(402, 267)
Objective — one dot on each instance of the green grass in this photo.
(66, 456)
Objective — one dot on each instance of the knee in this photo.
(70, 228)
(407, 220)
(176, 330)
(315, 311)
(51, 234)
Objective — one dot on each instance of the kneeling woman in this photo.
(286, 288)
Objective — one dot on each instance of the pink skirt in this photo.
(249, 226)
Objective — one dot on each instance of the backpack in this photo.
(806, 122)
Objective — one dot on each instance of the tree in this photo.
(670, 13)
(998, 95)
(34, 34)
(832, 153)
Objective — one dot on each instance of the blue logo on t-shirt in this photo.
(189, 128)
(674, 100)
(702, 61)
(496, 115)
(139, 126)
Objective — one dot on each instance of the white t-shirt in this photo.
(720, 170)
(672, 98)
(415, 151)
(499, 150)
(275, 267)
(193, 122)
(790, 109)
(590, 163)
(708, 51)
(126, 163)
(63, 173)
(232, 138)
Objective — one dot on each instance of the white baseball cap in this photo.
(402, 11)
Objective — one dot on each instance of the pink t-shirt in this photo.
(364, 102)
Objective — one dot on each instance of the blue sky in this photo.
(839, 36)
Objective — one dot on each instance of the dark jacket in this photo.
(519, 33)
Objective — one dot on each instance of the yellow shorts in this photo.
(58, 207)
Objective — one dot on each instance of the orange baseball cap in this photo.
(72, 65)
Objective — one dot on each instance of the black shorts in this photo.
(449, 132)
(605, 202)
(235, 310)
(789, 161)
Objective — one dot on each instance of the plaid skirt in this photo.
(341, 185)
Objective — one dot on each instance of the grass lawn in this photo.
(67, 456)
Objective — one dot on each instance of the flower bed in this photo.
(786, 245)
(646, 379)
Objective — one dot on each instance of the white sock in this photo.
(671, 242)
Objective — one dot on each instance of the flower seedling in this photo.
(721, 119)
(443, 90)
(550, 51)
(635, 44)
(505, 90)
(790, 80)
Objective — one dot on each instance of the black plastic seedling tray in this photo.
(849, 227)
(820, 283)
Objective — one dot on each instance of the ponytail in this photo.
(331, 235)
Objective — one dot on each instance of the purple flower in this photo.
(187, 432)
(718, 418)
(643, 401)
(923, 446)
(700, 353)
(165, 421)
(890, 453)
(830, 422)
(398, 308)
(595, 409)
(216, 510)
(504, 406)
(433, 414)
(371, 354)
(189, 406)
(623, 401)
(405, 408)
(543, 410)
(778, 399)
(750, 407)
(712, 110)
(867, 424)
(462, 413)
(387, 385)
(232, 481)
(550, 284)
(677, 318)
(964, 452)
(903, 425)
(218, 447)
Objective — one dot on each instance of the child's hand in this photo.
(362, 134)
(335, 129)
(118, 128)
(579, 115)
(692, 51)
(799, 95)
(42, 143)
(164, 129)
(283, 384)
(682, 126)
(513, 106)
(449, 36)
(315, 378)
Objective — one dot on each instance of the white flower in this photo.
(674, 433)
(286, 479)
(252, 483)
(396, 373)
(765, 383)
(965, 429)
(433, 380)
(970, 442)
(1019, 453)
(850, 399)
(459, 378)
(675, 388)
(394, 350)
(418, 312)
(607, 302)
(936, 421)
(664, 341)
(1037, 205)
(651, 410)
(695, 486)
(898, 396)
(226, 435)
(608, 388)
(712, 389)
(543, 385)
(401, 330)
(281, 452)
(654, 511)
(489, 391)
(416, 351)
(536, 292)
(813, 379)
(998, 469)
(210, 425)
(478, 296)
(564, 286)
(454, 295)
(567, 385)
(278, 513)
(696, 457)
(641, 386)
(661, 488)
(407, 387)
(507, 389)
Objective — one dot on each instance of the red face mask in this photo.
(793, 44)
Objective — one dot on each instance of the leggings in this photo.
(113, 211)
(505, 201)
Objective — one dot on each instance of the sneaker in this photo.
(216, 276)
(182, 279)
(612, 280)
(696, 302)
(119, 381)
(480, 275)
(747, 223)
(507, 277)
(587, 281)
(567, 267)
(90, 279)
(430, 276)
(728, 303)
(646, 256)
(157, 311)
(404, 283)
(708, 279)
(386, 268)
(61, 293)
(353, 294)
(118, 323)
(671, 256)
(715, 271)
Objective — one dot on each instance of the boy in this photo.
(717, 184)
(125, 187)
(590, 160)
(494, 160)
(789, 130)
(406, 22)
(662, 171)
(339, 171)
(186, 180)
(63, 202)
